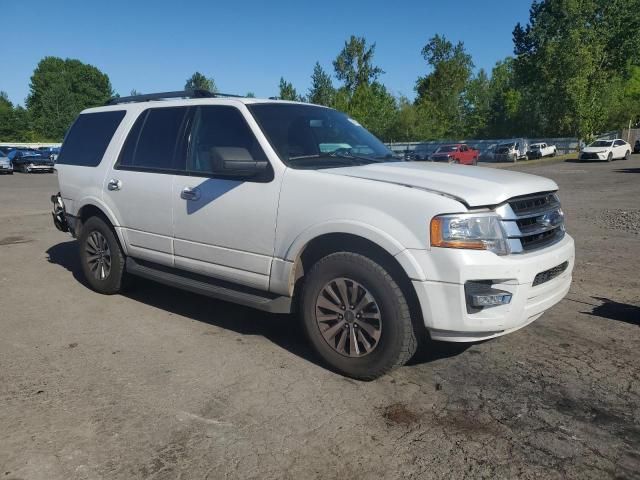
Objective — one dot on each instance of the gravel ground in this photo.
(163, 384)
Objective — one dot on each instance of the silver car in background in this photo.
(5, 164)
(511, 151)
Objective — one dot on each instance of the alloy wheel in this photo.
(348, 317)
(98, 255)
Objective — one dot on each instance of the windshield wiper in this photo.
(304, 157)
(357, 157)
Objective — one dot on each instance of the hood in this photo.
(594, 149)
(473, 186)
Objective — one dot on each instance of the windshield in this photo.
(446, 148)
(601, 143)
(307, 136)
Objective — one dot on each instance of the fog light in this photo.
(481, 294)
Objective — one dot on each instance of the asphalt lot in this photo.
(164, 384)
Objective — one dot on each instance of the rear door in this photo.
(138, 187)
(619, 149)
(465, 154)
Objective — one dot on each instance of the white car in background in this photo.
(540, 150)
(606, 150)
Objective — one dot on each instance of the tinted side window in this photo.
(154, 140)
(220, 132)
(89, 137)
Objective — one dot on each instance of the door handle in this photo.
(114, 184)
(189, 193)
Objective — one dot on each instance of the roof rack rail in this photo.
(196, 93)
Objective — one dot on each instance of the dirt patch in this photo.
(399, 414)
(13, 240)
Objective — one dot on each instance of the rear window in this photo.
(89, 137)
(153, 141)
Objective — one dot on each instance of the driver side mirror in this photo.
(235, 162)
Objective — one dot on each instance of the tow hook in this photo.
(58, 214)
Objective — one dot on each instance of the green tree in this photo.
(441, 91)
(572, 59)
(200, 82)
(354, 64)
(321, 91)
(7, 132)
(288, 92)
(250, 95)
(59, 90)
(505, 118)
(476, 104)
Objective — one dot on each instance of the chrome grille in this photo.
(532, 222)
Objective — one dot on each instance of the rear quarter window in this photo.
(89, 137)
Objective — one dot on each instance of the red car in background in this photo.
(456, 153)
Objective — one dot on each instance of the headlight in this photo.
(469, 231)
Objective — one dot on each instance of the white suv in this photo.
(292, 207)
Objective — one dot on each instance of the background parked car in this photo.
(28, 161)
(488, 154)
(5, 164)
(636, 147)
(540, 150)
(606, 150)
(511, 151)
(456, 153)
(420, 153)
(51, 152)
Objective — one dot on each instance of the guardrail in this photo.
(29, 145)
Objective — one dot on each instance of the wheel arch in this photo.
(94, 208)
(325, 244)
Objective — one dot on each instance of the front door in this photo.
(224, 227)
(138, 188)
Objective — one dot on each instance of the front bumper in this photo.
(40, 168)
(593, 156)
(444, 303)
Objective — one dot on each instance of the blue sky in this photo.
(245, 45)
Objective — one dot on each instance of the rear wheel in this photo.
(101, 257)
(356, 316)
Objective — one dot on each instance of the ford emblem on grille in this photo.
(552, 219)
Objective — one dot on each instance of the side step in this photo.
(203, 285)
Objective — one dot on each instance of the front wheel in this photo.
(610, 157)
(356, 316)
(101, 257)
(627, 155)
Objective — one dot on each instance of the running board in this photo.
(203, 285)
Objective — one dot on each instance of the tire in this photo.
(475, 161)
(554, 153)
(379, 300)
(627, 155)
(95, 235)
(610, 157)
